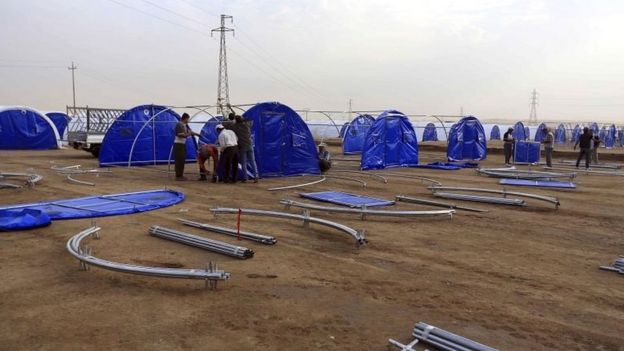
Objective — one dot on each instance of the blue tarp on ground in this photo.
(539, 134)
(60, 120)
(283, 144)
(527, 152)
(495, 133)
(430, 133)
(519, 133)
(22, 219)
(576, 133)
(538, 183)
(440, 165)
(390, 142)
(104, 205)
(467, 140)
(208, 134)
(355, 134)
(23, 128)
(154, 145)
(346, 199)
(560, 134)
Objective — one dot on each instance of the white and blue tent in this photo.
(390, 142)
(24, 128)
(355, 134)
(495, 133)
(520, 132)
(208, 134)
(430, 133)
(560, 134)
(467, 140)
(539, 134)
(60, 120)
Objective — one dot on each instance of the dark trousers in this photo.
(324, 165)
(179, 155)
(230, 163)
(508, 152)
(549, 152)
(587, 153)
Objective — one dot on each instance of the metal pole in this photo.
(72, 68)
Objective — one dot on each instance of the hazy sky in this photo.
(417, 56)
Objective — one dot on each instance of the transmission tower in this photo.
(223, 88)
(533, 113)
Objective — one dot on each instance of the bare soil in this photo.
(513, 278)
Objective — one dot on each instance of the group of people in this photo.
(588, 143)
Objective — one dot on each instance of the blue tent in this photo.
(23, 128)
(430, 133)
(208, 134)
(594, 128)
(539, 134)
(283, 144)
(143, 134)
(576, 133)
(610, 136)
(603, 136)
(390, 142)
(343, 129)
(560, 134)
(60, 120)
(495, 133)
(519, 133)
(467, 140)
(353, 140)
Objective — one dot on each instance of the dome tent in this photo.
(343, 129)
(539, 134)
(467, 140)
(430, 133)
(143, 135)
(495, 133)
(24, 128)
(354, 136)
(519, 132)
(576, 133)
(208, 134)
(560, 134)
(283, 144)
(60, 120)
(390, 142)
(610, 136)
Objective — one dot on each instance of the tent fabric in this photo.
(594, 128)
(390, 142)
(23, 219)
(430, 133)
(153, 145)
(560, 134)
(355, 134)
(346, 199)
(538, 183)
(620, 138)
(24, 128)
(283, 144)
(104, 205)
(527, 133)
(495, 133)
(467, 140)
(527, 152)
(576, 133)
(519, 132)
(208, 134)
(440, 165)
(611, 136)
(343, 130)
(603, 136)
(60, 120)
(539, 134)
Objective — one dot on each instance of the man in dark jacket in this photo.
(584, 142)
(242, 128)
(508, 139)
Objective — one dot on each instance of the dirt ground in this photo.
(512, 278)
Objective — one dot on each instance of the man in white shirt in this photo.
(228, 148)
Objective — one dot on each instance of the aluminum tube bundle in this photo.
(264, 239)
(519, 174)
(618, 266)
(211, 274)
(478, 198)
(200, 242)
(445, 340)
(436, 203)
(356, 234)
(363, 212)
(503, 192)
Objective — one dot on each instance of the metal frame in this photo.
(201, 242)
(347, 178)
(414, 200)
(211, 275)
(383, 179)
(264, 239)
(30, 181)
(503, 192)
(445, 340)
(358, 235)
(521, 174)
(617, 266)
(590, 172)
(411, 176)
(323, 178)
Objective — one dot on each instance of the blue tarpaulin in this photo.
(538, 183)
(104, 205)
(560, 134)
(519, 132)
(346, 199)
(576, 133)
(154, 144)
(22, 219)
(60, 120)
(467, 140)
(539, 134)
(594, 128)
(527, 152)
(440, 165)
(430, 133)
(208, 134)
(390, 142)
(343, 129)
(610, 136)
(495, 133)
(283, 144)
(23, 128)
(355, 134)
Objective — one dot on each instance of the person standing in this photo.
(242, 129)
(508, 145)
(594, 152)
(548, 145)
(204, 153)
(584, 141)
(228, 145)
(324, 158)
(182, 132)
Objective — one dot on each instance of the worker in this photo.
(242, 129)
(204, 153)
(324, 157)
(548, 142)
(508, 145)
(228, 145)
(594, 151)
(182, 132)
(585, 142)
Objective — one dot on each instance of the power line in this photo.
(173, 12)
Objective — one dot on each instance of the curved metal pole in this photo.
(439, 120)
(383, 179)
(141, 131)
(326, 115)
(410, 176)
(348, 178)
(323, 178)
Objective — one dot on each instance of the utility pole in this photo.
(461, 111)
(350, 108)
(72, 68)
(223, 88)
(533, 113)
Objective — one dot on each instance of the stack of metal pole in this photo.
(200, 242)
(618, 266)
(478, 198)
(445, 340)
(265, 239)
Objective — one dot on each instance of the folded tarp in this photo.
(440, 165)
(22, 219)
(346, 199)
(104, 205)
(538, 183)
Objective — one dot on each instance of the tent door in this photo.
(273, 143)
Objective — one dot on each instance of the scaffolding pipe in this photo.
(592, 172)
(264, 239)
(503, 192)
(446, 340)
(201, 242)
(348, 178)
(298, 185)
(383, 179)
(414, 200)
(519, 174)
(358, 235)
(69, 177)
(478, 198)
(411, 176)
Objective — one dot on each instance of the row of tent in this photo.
(24, 128)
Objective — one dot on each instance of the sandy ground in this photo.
(512, 278)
